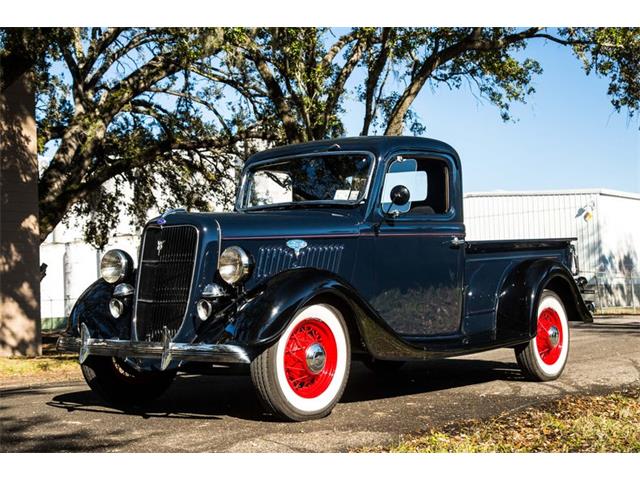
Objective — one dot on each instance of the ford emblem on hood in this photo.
(296, 245)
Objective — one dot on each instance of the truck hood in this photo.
(272, 224)
(285, 224)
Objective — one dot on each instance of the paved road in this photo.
(222, 413)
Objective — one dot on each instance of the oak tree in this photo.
(167, 112)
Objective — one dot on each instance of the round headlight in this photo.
(115, 265)
(234, 265)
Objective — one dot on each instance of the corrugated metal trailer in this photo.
(606, 223)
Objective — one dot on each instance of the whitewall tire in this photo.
(304, 374)
(545, 356)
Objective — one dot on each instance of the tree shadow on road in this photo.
(41, 433)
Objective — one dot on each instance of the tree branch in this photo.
(291, 128)
(100, 46)
(204, 103)
(472, 42)
(336, 47)
(374, 72)
(336, 90)
(111, 57)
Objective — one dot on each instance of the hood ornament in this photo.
(296, 245)
(159, 246)
(163, 218)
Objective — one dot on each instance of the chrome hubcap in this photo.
(554, 336)
(316, 357)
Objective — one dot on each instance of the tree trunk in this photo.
(20, 247)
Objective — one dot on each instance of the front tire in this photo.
(121, 385)
(304, 374)
(545, 356)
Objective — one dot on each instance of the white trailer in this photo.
(606, 223)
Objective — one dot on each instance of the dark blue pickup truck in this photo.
(340, 250)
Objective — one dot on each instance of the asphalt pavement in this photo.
(222, 413)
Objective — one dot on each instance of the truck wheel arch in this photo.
(288, 293)
(563, 288)
(521, 291)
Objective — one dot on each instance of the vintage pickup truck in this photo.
(340, 250)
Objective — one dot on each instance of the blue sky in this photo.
(567, 135)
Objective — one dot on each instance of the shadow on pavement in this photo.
(189, 397)
(425, 377)
(605, 326)
(16, 436)
(213, 397)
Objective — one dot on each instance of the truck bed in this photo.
(488, 262)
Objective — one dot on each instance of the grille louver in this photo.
(165, 275)
(272, 260)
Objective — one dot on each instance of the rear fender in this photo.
(521, 290)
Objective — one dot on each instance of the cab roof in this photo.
(380, 146)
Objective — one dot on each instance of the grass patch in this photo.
(40, 368)
(609, 423)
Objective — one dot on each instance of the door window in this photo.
(427, 180)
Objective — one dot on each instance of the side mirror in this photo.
(400, 195)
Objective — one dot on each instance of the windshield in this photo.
(313, 179)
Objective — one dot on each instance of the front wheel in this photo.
(304, 374)
(120, 384)
(545, 356)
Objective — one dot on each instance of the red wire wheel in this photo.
(549, 339)
(544, 357)
(310, 358)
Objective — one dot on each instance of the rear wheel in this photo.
(120, 384)
(304, 374)
(545, 356)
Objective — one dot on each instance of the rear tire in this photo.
(544, 357)
(121, 385)
(304, 374)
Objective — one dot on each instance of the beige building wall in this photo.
(19, 234)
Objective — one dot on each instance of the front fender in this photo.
(268, 309)
(92, 308)
(521, 291)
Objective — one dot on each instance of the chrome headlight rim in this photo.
(116, 307)
(237, 258)
(115, 266)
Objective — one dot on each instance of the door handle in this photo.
(457, 242)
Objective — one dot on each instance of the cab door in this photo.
(419, 253)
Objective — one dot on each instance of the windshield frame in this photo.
(276, 160)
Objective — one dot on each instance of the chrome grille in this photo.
(164, 279)
(276, 259)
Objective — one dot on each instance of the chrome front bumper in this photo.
(165, 351)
